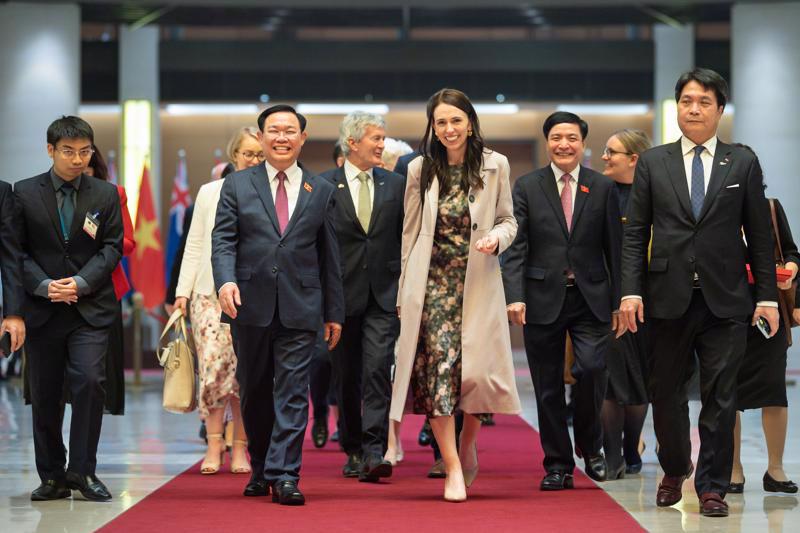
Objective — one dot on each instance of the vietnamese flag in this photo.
(147, 261)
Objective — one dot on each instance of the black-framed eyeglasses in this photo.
(608, 152)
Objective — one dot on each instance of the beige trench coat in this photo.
(487, 368)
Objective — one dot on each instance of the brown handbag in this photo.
(786, 297)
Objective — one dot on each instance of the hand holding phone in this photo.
(763, 327)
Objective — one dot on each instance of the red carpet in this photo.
(505, 496)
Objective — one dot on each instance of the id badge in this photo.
(91, 224)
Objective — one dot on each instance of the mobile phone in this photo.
(763, 326)
(5, 344)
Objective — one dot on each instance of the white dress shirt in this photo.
(294, 177)
(351, 172)
(573, 182)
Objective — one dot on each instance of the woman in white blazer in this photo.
(216, 358)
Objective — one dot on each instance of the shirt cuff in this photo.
(631, 297)
(41, 290)
(83, 287)
(767, 304)
(515, 303)
(226, 283)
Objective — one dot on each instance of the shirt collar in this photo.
(558, 172)
(58, 181)
(351, 171)
(290, 172)
(687, 146)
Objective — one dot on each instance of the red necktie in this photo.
(282, 202)
(566, 200)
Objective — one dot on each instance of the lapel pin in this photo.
(380, 183)
(341, 185)
(585, 189)
(724, 162)
(307, 187)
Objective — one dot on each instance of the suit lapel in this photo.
(677, 175)
(260, 182)
(379, 186)
(584, 182)
(302, 200)
(51, 205)
(719, 171)
(547, 180)
(82, 205)
(344, 198)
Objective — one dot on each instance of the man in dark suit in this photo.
(11, 270)
(697, 194)
(276, 266)
(561, 276)
(369, 226)
(401, 167)
(71, 237)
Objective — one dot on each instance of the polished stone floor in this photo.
(147, 447)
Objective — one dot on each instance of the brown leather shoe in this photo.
(712, 504)
(669, 490)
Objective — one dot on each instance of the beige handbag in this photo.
(177, 359)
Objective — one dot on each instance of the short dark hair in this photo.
(69, 127)
(337, 152)
(564, 117)
(709, 79)
(280, 108)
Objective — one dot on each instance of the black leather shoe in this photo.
(50, 489)
(287, 493)
(425, 434)
(736, 488)
(616, 472)
(335, 436)
(375, 468)
(256, 487)
(557, 481)
(773, 485)
(634, 468)
(89, 486)
(319, 433)
(596, 467)
(352, 468)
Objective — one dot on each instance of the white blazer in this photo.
(196, 275)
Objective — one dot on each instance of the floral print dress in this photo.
(436, 376)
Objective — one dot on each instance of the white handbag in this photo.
(177, 359)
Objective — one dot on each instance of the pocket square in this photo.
(734, 186)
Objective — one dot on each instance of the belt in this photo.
(570, 282)
(696, 283)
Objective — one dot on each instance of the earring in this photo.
(469, 133)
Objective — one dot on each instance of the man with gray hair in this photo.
(368, 220)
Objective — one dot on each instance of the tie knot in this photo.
(281, 176)
(698, 150)
(566, 178)
(67, 188)
(362, 177)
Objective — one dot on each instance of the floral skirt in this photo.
(215, 357)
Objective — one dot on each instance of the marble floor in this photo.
(147, 447)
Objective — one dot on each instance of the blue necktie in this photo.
(67, 211)
(698, 182)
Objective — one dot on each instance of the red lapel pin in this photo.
(307, 187)
(585, 189)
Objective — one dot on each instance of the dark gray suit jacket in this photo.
(10, 254)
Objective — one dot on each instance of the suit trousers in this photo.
(364, 356)
(66, 347)
(273, 369)
(544, 346)
(719, 344)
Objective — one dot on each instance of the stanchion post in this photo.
(138, 310)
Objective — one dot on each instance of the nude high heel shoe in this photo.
(211, 467)
(240, 468)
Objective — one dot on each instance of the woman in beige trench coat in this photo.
(487, 382)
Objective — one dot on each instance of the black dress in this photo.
(762, 374)
(626, 359)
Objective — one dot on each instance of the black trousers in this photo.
(66, 347)
(322, 386)
(719, 344)
(364, 356)
(272, 371)
(544, 346)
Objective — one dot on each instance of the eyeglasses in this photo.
(608, 152)
(249, 155)
(69, 153)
